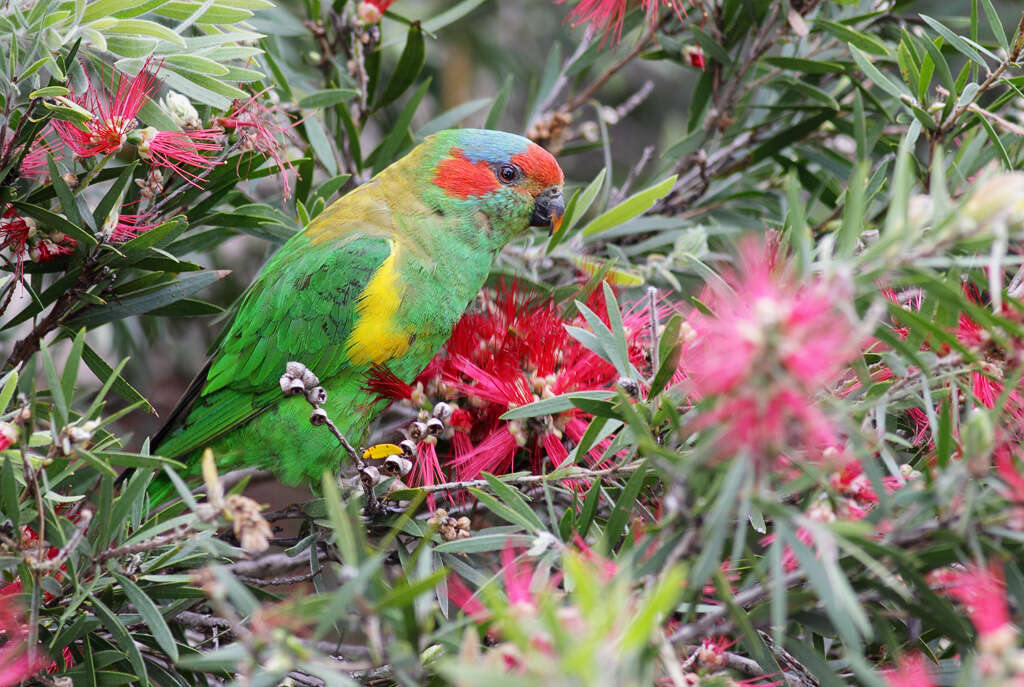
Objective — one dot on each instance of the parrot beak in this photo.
(548, 209)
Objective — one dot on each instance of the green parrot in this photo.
(378, 278)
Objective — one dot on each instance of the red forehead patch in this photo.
(460, 178)
(539, 165)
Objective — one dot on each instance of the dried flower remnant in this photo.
(250, 527)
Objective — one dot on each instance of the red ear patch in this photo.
(540, 166)
(460, 178)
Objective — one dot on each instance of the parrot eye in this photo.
(508, 174)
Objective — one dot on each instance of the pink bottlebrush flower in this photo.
(1008, 464)
(771, 344)
(127, 226)
(606, 567)
(260, 129)
(34, 163)
(113, 116)
(460, 595)
(178, 150)
(983, 594)
(607, 16)
(426, 471)
(910, 671)
(18, 661)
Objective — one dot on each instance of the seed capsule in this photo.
(417, 430)
(408, 448)
(435, 427)
(318, 417)
(317, 395)
(442, 411)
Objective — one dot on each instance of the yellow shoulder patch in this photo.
(377, 337)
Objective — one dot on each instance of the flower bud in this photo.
(978, 437)
(1000, 199)
(181, 110)
(368, 13)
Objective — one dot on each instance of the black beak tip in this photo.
(548, 209)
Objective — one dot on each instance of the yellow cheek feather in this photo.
(377, 337)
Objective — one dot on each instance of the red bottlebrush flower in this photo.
(460, 595)
(121, 227)
(910, 671)
(427, 470)
(259, 126)
(113, 117)
(18, 661)
(15, 231)
(771, 344)
(983, 594)
(34, 163)
(607, 16)
(695, 56)
(178, 149)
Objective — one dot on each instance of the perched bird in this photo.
(378, 278)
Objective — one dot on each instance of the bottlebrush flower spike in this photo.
(113, 116)
(259, 126)
(910, 671)
(983, 594)
(512, 351)
(608, 16)
(771, 345)
(18, 661)
(178, 149)
(34, 163)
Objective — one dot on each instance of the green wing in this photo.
(302, 307)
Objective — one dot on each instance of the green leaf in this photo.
(894, 88)
(144, 27)
(500, 101)
(860, 40)
(183, 286)
(112, 198)
(105, 374)
(54, 222)
(327, 98)
(122, 638)
(960, 44)
(615, 530)
(514, 499)
(505, 512)
(798, 64)
(631, 207)
(554, 405)
(150, 615)
(9, 493)
(410, 64)
(577, 208)
(48, 92)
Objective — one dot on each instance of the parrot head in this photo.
(512, 181)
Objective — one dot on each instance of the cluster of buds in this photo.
(251, 529)
(448, 527)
